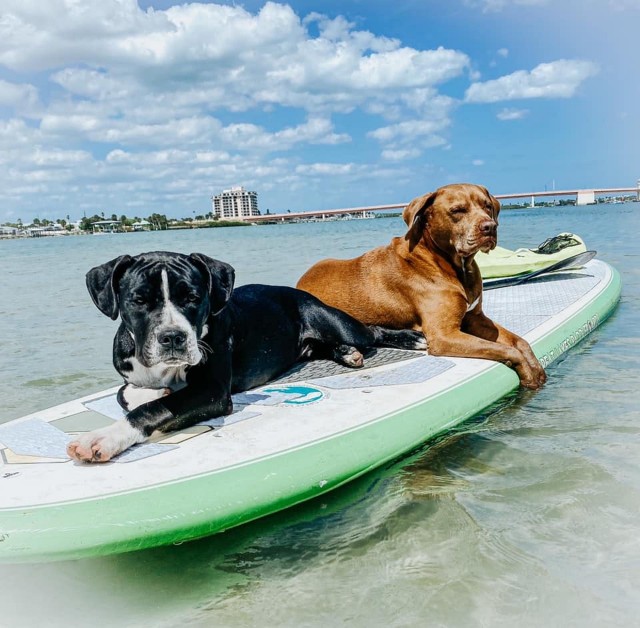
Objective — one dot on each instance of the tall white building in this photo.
(235, 203)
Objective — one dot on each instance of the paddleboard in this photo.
(501, 262)
(307, 433)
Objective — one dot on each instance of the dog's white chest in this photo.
(157, 376)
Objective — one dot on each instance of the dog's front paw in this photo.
(532, 378)
(539, 374)
(533, 373)
(103, 444)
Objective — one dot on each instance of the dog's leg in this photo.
(105, 443)
(177, 411)
(482, 326)
(207, 397)
(399, 338)
(332, 331)
(450, 340)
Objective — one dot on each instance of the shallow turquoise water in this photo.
(527, 515)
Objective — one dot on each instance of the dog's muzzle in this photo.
(488, 231)
(174, 346)
(172, 340)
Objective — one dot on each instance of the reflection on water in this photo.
(526, 515)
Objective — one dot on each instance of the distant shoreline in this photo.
(79, 232)
(215, 224)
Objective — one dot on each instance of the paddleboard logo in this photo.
(570, 341)
(295, 395)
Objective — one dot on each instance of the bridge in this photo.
(583, 197)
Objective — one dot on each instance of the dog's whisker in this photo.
(205, 350)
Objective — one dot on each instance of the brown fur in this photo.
(428, 279)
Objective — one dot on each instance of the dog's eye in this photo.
(138, 300)
(193, 297)
(458, 210)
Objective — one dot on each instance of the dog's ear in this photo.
(496, 206)
(102, 283)
(414, 215)
(494, 201)
(221, 278)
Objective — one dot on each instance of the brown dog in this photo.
(429, 280)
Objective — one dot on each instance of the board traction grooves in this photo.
(288, 441)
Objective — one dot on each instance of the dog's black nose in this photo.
(172, 338)
(488, 228)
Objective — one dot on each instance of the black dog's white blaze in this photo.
(171, 319)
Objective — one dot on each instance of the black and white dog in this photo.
(188, 340)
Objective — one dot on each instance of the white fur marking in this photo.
(157, 376)
(136, 396)
(173, 318)
(108, 441)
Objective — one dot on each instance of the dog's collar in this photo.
(470, 307)
(464, 274)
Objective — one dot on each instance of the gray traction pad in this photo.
(537, 301)
(414, 372)
(35, 437)
(307, 371)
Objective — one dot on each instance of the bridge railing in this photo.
(587, 195)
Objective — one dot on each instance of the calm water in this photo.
(528, 516)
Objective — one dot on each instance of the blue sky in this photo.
(141, 106)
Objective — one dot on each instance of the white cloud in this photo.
(503, 52)
(559, 79)
(250, 136)
(408, 130)
(478, 162)
(410, 135)
(136, 107)
(126, 49)
(512, 114)
(330, 169)
(401, 154)
(17, 96)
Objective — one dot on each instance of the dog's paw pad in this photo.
(349, 356)
(355, 359)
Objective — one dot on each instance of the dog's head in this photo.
(164, 300)
(460, 219)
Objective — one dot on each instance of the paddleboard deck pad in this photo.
(298, 437)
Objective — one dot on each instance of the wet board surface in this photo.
(311, 430)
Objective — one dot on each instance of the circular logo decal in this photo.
(295, 395)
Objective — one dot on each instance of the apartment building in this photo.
(235, 203)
